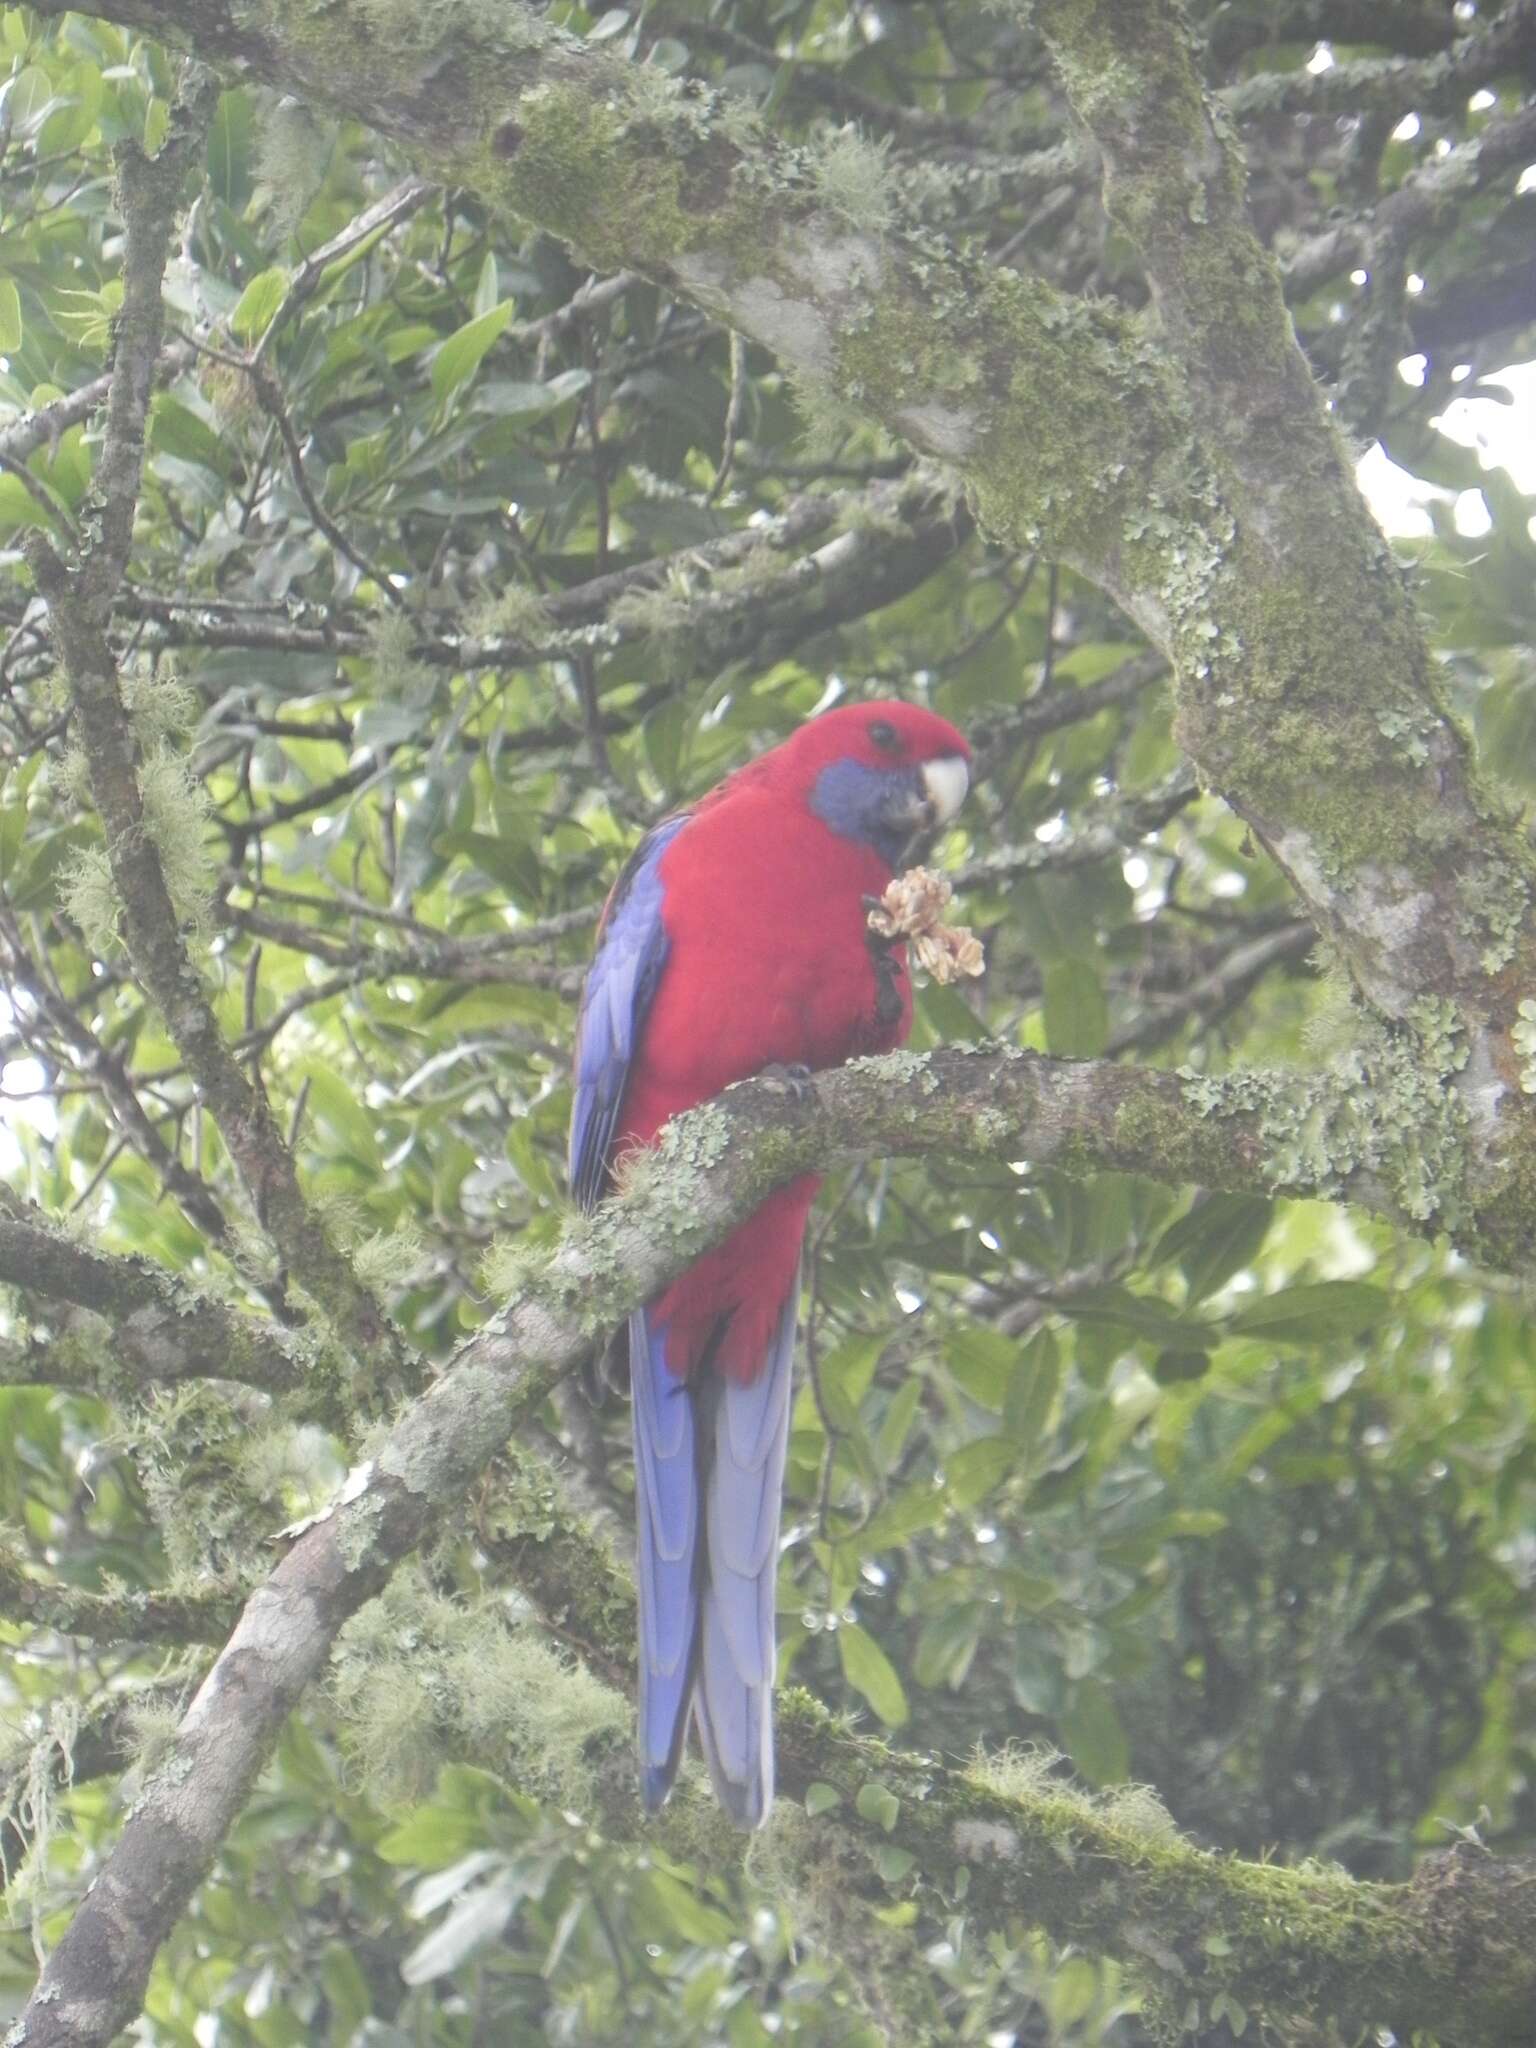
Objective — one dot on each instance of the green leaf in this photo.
(922, 1505)
(18, 507)
(1311, 1313)
(845, 1373)
(337, 1113)
(346, 1990)
(1123, 1310)
(174, 429)
(821, 1798)
(258, 303)
(948, 1644)
(878, 1805)
(1037, 1672)
(1217, 1238)
(74, 116)
(971, 1472)
(10, 316)
(869, 1671)
(982, 1361)
(477, 1919)
(896, 1423)
(1033, 1388)
(457, 360)
(694, 1920)
(512, 864)
(1171, 1367)
(514, 398)
(1076, 1015)
(430, 1837)
(1092, 1735)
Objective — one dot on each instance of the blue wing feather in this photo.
(631, 953)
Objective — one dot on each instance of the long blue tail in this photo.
(707, 1575)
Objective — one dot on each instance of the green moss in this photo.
(1155, 1132)
(418, 1677)
(631, 177)
(191, 1448)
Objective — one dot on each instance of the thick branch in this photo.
(1201, 483)
(1450, 1954)
(1110, 1876)
(1315, 710)
(711, 1170)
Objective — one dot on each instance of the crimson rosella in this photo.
(736, 939)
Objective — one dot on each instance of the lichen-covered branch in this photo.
(1400, 84)
(711, 1169)
(79, 599)
(1189, 468)
(1314, 710)
(113, 1321)
(1453, 1953)
(128, 1615)
(727, 600)
(686, 186)
(35, 429)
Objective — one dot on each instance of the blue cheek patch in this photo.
(859, 803)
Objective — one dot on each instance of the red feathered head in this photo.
(879, 772)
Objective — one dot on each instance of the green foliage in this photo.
(1118, 1485)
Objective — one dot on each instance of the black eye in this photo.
(885, 736)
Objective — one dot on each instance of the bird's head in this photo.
(881, 772)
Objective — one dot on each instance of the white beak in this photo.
(946, 781)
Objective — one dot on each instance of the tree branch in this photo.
(712, 1168)
(1112, 1876)
(1198, 479)
(1359, 788)
(158, 1327)
(129, 1615)
(79, 603)
(1429, 84)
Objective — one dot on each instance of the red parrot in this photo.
(736, 939)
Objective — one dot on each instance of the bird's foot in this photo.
(793, 1080)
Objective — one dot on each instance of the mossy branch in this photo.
(133, 788)
(711, 1169)
(108, 1321)
(1453, 1953)
(129, 1614)
(1186, 464)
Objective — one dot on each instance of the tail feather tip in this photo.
(655, 1784)
(746, 1804)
